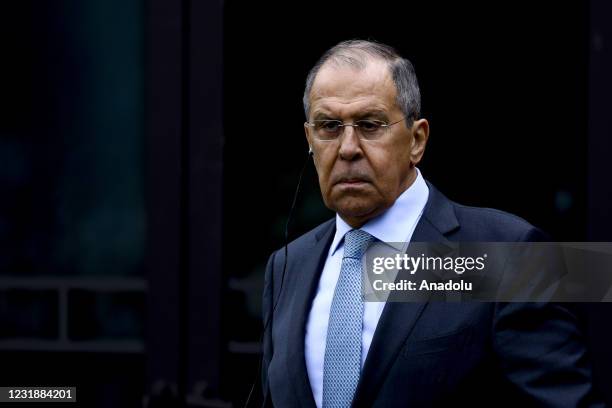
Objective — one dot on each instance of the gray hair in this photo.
(355, 53)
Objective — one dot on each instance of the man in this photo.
(323, 345)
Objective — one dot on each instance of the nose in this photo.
(350, 147)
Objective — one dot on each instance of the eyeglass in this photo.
(367, 129)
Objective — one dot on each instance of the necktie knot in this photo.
(356, 242)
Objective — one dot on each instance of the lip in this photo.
(351, 182)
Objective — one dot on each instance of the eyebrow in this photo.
(323, 116)
(370, 113)
(373, 113)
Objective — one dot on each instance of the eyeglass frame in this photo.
(355, 124)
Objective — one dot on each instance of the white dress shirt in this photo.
(394, 225)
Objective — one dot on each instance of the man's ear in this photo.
(420, 134)
(307, 133)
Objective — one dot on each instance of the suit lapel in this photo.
(399, 318)
(308, 272)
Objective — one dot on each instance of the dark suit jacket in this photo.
(432, 353)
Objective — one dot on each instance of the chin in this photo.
(356, 209)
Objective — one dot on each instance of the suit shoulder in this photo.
(307, 238)
(496, 225)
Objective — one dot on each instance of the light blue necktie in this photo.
(342, 364)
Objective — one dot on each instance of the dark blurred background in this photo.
(149, 151)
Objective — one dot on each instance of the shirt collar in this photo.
(395, 225)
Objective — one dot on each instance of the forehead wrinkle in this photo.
(364, 87)
(348, 109)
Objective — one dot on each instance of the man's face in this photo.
(359, 179)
